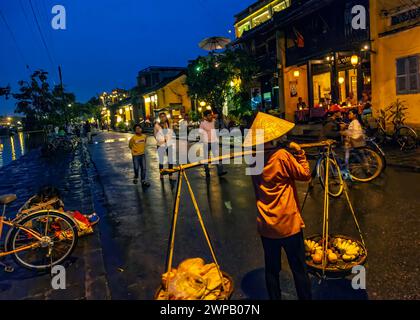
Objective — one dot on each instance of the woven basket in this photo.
(341, 267)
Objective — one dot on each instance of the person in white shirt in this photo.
(210, 141)
(354, 136)
(164, 139)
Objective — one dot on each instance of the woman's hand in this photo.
(295, 146)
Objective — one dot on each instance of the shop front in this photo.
(327, 62)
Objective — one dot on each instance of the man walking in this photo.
(137, 145)
(210, 141)
(279, 221)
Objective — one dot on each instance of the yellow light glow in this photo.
(200, 109)
(354, 60)
(127, 108)
(296, 73)
(208, 107)
(147, 100)
(340, 80)
(119, 119)
(120, 111)
(202, 103)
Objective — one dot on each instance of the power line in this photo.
(14, 40)
(42, 36)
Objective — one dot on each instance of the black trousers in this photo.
(214, 147)
(295, 251)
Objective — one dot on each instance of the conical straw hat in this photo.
(273, 128)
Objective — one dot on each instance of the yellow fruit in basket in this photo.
(192, 265)
(332, 257)
(347, 257)
(168, 277)
(317, 258)
(213, 279)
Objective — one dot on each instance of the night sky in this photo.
(106, 42)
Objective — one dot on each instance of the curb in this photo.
(97, 287)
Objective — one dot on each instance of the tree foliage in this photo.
(42, 104)
(220, 77)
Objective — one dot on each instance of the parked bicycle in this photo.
(403, 135)
(364, 165)
(38, 240)
(61, 144)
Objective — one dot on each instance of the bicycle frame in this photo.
(13, 224)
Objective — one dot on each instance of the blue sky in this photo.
(106, 41)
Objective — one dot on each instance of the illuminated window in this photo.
(261, 18)
(245, 27)
(281, 6)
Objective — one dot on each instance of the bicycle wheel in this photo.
(406, 138)
(365, 164)
(380, 136)
(59, 238)
(335, 179)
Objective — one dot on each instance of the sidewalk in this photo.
(85, 275)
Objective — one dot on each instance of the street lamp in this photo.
(354, 60)
(202, 104)
(69, 105)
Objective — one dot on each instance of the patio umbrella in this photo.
(214, 43)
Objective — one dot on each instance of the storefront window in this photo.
(352, 79)
(322, 87)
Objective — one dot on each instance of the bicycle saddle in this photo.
(7, 198)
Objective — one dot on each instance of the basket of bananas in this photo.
(341, 255)
(195, 280)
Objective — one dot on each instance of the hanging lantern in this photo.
(296, 73)
(354, 60)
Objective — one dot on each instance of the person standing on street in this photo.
(210, 141)
(137, 145)
(87, 130)
(164, 138)
(279, 219)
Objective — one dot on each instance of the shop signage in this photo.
(405, 16)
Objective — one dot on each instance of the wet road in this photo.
(135, 227)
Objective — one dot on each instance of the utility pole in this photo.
(62, 94)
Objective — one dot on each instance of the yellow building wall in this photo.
(175, 92)
(302, 89)
(389, 48)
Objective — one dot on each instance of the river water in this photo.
(15, 146)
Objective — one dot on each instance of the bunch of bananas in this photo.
(312, 246)
(349, 250)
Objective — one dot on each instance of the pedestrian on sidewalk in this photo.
(164, 139)
(210, 141)
(279, 219)
(87, 130)
(137, 145)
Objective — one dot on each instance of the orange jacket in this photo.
(276, 195)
